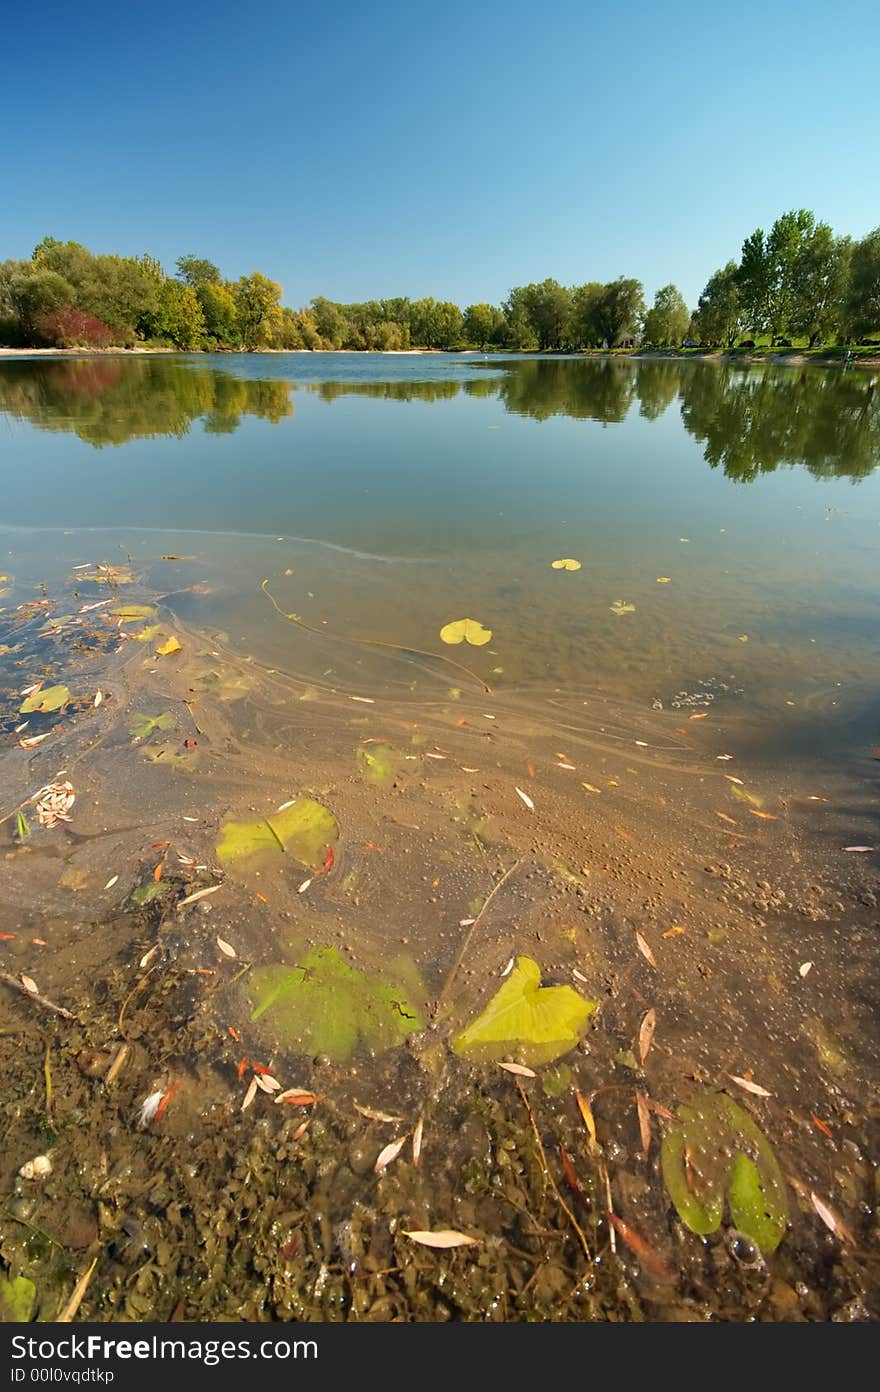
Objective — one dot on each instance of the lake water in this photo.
(670, 746)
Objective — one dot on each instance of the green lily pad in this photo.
(378, 762)
(17, 1298)
(49, 698)
(325, 1006)
(142, 725)
(716, 1152)
(533, 1023)
(304, 830)
(148, 634)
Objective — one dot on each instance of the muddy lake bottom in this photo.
(265, 836)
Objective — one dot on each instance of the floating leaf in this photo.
(466, 631)
(534, 1022)
(664, 580)
(304, 830)
(442, 1238)
(142, 725)
(378, 762)
(622, 606)
(47, 699)
(325, 1006)
(715, 1151)
(168, 648)
(566, 564)
(17, 1298)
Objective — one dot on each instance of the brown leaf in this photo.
(373, 1115)
(519, 1069)
(650, 1259)
(832, 1219)
(587, 1113)
(29, 984)
(765, 816)
(645, 950)
(646, 1033)
(570, 1173)
(298, 1097)
(389, 1153)
(644, 1122)
(748, 1086)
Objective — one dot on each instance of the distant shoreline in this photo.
(795, 357)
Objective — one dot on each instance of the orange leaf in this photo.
(587, 1114)
(642, 1249)
(766, 816)
(826, 1130)
(166, 1098)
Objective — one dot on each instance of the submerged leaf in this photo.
(442, 1238)
(142, 725)
(17, 1298)
(466, 631)
(535, 1023)
(131, 613)
(325, 1006)
(378, 762)
(622, 606)
(47, 699)
(715, 1151)
(304, 829)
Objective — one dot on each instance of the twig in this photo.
(36, 997)
(453, 970)
(553, 1185)
(118, 1061)
(76, 1299)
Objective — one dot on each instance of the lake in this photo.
(305, 822)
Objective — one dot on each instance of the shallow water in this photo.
(693, 768)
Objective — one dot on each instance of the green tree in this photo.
(330, 321)
(754, 281)
(619, 310)
(862, 303)
(666, 323)
(586, 329)
(196, 271)
(719, 315)
(179, 317)
(35, 293)
(819, 285)
(220, 314)
(257, 301)
(483, 324)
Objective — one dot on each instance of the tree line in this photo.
(799, 280)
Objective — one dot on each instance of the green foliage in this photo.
(257, 303)
(35, 293)
(719, 315)
(862, 301)
(17, 1299)
(324, 1006)
(716, 1152)
(533, 1023)
(483, 325)
(196, 271)
(666, 324)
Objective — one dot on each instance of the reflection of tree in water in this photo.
(752, 422)
(541, 388)
(110, 401)
(387, 391)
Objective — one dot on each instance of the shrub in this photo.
(69, 327)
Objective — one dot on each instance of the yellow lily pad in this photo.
(168, 648)
(530, 1022)
(566, 564)
(304, 830)
(622, 606)
(664, 580)
(466, 631)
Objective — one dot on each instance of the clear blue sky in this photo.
(365, 149)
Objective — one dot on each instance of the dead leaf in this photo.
(644, 1122)
(674, 932)
(805, 967)
(226, 948)
(724, 817)
(646, 1033)
(200, 894)
(748, 1086)
(832, 1219)
(645, 950)
(442, 1238)
(168, 648)
(29, 984)
(699, 715)
(388, 1153)
(641, 1249)
(846, 848)
(250, 1094)
(417, 1142)
(519, 1069)
(765, 816)
(526, 799)
(298, 1097)
(372, 1115)
(586, 1112)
